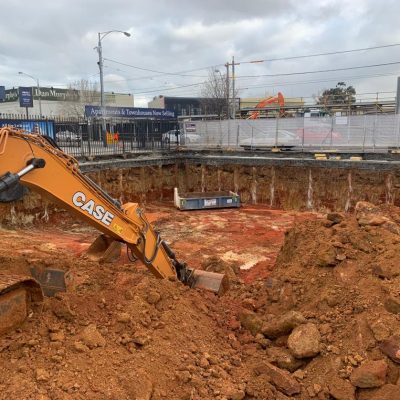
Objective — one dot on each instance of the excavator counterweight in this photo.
(33, 161)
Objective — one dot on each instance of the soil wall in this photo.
(283, 187)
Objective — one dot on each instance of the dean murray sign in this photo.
(129, 112)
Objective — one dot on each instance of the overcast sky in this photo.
(53, 40)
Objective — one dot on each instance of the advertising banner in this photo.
(25, 96)
(128, 112)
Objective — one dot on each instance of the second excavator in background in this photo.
(278, 99)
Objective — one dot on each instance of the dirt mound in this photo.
(118, 333)
(324, 324)
(330, 310)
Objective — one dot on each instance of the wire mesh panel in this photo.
(367, 132)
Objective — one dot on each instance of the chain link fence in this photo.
(364, 132)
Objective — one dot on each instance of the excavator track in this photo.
(18, 294)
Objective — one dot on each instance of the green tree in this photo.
(340, 94)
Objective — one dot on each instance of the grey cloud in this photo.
(54, 40)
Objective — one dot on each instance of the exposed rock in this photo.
(138, 385)
(61, 308)
(341, 389)
(299, 374)
(380, 330)
(279, 378)
(281, 396)
(326, 256)
(386, 392)
(80, 347)
(183, 376)
(304, 341)
(42, 375)
(283, 359)
(57, 336)
(203, 363)
(123, 317)
(282, 325)
(335, 217)
(91, 337)
(371, 374)
(392, 304)
(250, 321)
(373, 220)
(153, 297)
(236, 395)
(386, 270)
(391, 347)
(141, 338)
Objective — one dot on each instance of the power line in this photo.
(169, 88)
(320, 54)
(315, 81)
(182, 73)
(320, 71)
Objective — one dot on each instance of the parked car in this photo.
(261, 140)
(190, 138)
(317, 133)
(68, 138)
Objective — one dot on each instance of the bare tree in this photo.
(215, 94)
(79, 94)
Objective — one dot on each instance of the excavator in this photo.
(279, 99)
(33, 161)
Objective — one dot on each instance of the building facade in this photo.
(61, 102)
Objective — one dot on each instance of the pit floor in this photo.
(248, 238)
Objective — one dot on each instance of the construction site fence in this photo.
(114, 137)
(364, 133)
(91, 138)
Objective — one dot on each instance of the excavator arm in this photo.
(279, 99)
(35, 162)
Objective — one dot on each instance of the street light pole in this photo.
(38, 87)
(101, 36)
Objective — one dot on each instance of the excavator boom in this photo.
(36, 163)
(279, 99)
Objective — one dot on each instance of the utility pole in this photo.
(231, 109)
(227, 91)
(233, 89)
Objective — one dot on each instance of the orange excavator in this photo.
(278, 99)
(35, 162)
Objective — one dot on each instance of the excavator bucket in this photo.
(104, 249)
(17, 296)
(212, 281)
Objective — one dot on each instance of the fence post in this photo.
(81, 140)
(398, 128)
(276, 130)
(373, 135)
(365, 134)
(90, 127)
(331, 138)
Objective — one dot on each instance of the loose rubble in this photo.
(324, 324)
